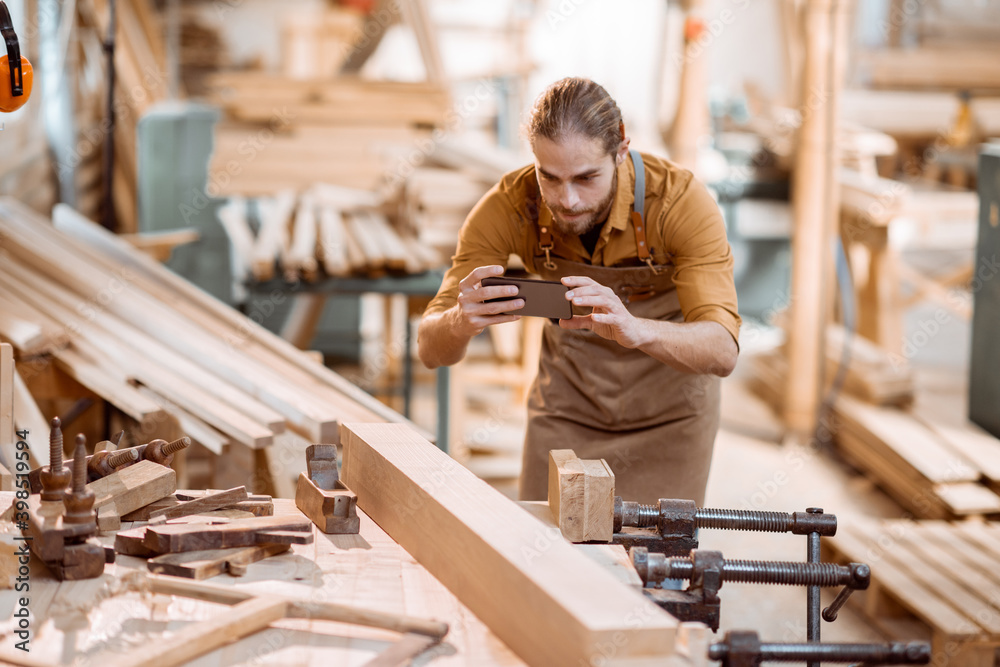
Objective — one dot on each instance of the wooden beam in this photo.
(8, 439)
(481, 546)
(815, 202)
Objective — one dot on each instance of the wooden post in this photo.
(815, 204)
(691, 121)
(8, 460)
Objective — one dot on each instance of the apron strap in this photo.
(638, 208)
(545, 240)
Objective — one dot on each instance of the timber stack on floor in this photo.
(933, 580)
(157, 348)
(934, 470)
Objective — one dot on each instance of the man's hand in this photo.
(610, 318)
(691, 347)
(473, 315)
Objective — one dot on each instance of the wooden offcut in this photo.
(206, 503)
(212, 562)
(128, 489)
(175, 538)
(482, 547)
(582, 496)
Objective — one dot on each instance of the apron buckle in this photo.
(653, 267)
(549, 264)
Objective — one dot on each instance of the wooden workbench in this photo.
(81, 623)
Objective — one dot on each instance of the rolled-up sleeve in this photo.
(490, 234)
(695, 235)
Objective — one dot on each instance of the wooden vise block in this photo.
(129, 489)
(321, 495)
(581, 496)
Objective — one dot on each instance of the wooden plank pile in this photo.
(281, 133)
(930, 580)
(934, 470)
(326, 231)
(156, 347)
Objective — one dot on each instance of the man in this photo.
(633, 377)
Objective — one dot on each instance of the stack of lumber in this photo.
(933, 470)
(872, 374)
(436, 202)
(435, 198)
(153, 345)
(280, 133)
(931, 580)
(327, 231)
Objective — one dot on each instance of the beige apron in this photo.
(655, 426)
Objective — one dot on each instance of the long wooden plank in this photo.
(8, 440)
(902, 435)
(254, 339)
(312, 385)
(972, 442)
(27, 417)
(905, 589)
(482, 547)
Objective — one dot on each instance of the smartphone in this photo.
(542, 298)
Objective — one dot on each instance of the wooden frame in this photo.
(546, 600)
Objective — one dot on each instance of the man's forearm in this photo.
(691, 347)
(439, 341)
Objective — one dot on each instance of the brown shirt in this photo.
(684, 227)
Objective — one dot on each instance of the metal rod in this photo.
(894, 653)
(812, 592)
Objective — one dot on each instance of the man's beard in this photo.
(591, 217)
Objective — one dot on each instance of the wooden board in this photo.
(206, 503)
(436, 510)
(929, 578)
(174, 538)
(8, 439)
(206, 564)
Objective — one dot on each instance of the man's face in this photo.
(576, 177)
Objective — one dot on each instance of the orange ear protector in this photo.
(13, 67)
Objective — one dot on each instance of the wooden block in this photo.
(204, 504)
(483, 547)
(581, 496)
(79, 561)
(206, 564)
(108, 519)
(256, 505)
(133, 487)
(321, 464)
(333, 511)
(176, 538)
